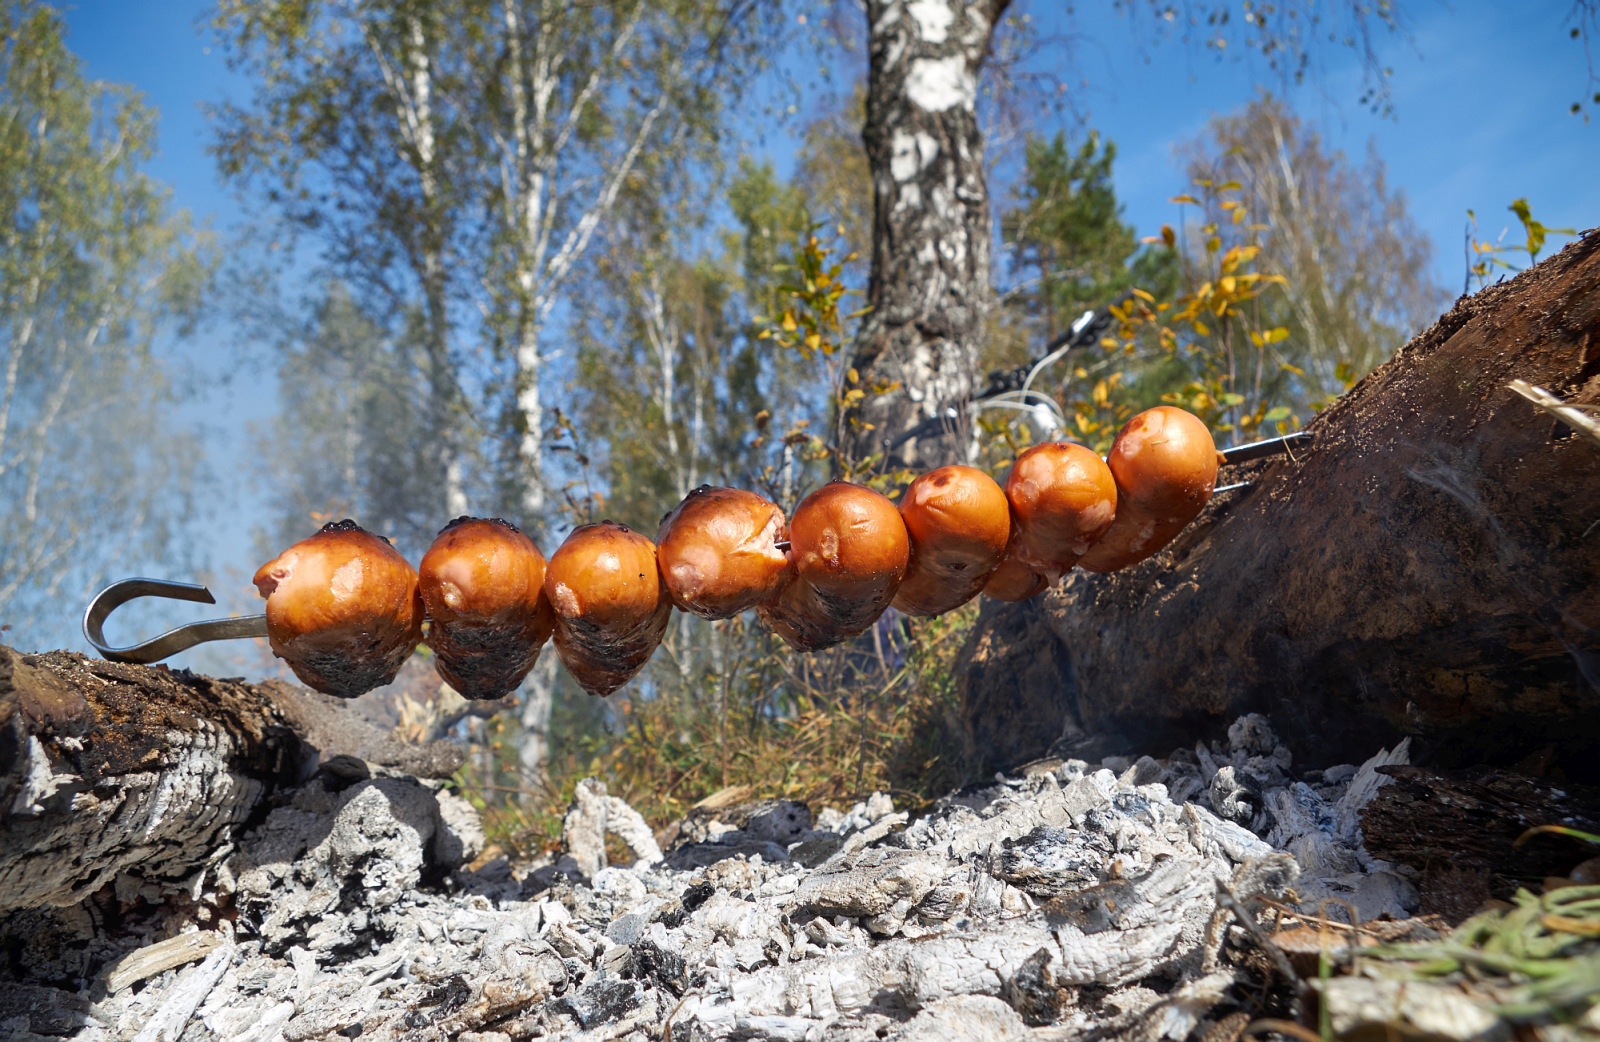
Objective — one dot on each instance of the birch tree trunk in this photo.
(930, 234)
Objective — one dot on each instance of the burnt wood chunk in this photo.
(1469, 821)
(1429, 566)
(108, 768)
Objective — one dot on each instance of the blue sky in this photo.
(1481, 91)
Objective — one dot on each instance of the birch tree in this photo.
(93, 263)
(1355, 264)
(345, 139)
(917, 347)
(458, 157)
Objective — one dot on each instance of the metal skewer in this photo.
(1267, 447)
(174, 640)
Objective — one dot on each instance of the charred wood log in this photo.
(108, 768)
(1472, 820)
(1431, 566)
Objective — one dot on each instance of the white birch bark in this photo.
(930, 243)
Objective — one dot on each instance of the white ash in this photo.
(1071, 901)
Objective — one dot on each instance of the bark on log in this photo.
(1430, 567)
(108, 768)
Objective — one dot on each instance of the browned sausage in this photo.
(1165, 464)
(1063, 498)
(611, 609)
(959, 522)
(342, 609)
(718, 552)
(482, 582)
(850, 551)
(1014, 581)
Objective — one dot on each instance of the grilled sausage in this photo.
(1013, 580)
(611, 608)
(849, 549)
(959, 522)
(1063, 498)
(342, 609)
(718, 554)
(482, 582)
(1165, 465)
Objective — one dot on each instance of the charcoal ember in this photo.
(563, 870)
(1032, 991)
(733, 845)
(1095, 909)
(600, 1002)
(44, 1010)
(666, 969)
(1236, 797)
(1051, 861)
(688, 903)
(813, 852)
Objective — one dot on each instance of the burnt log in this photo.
(1463, 831)
(1473, 819)
(1430, 566)
(113, 772)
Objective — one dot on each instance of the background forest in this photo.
(541, 261)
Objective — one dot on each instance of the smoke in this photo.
(1523, 566)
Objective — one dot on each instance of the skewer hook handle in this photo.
(174, 640)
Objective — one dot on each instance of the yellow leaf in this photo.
(1184, 199)
(1213, 244)
(1201, 328)
(1228, 284)
(1239, 215)
(1279, 335)
(1168, 236)
(814, 341)
(1229, 204)
(788, 323)
(1108, 341)
(852, 375)
(1296, 370)
(1255, 338)
(1142, 295)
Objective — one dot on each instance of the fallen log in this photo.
(1465, 832)
(144, 773)
(1430, 566)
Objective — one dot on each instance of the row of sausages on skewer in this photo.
(345, 609)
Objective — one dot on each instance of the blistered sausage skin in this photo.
(849, 550)
(611, 608)
(342, 609)
(482, 582)
(1165, 464)
(1014, 581)
(959, 522)
(1063, 498)
(718, 552)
